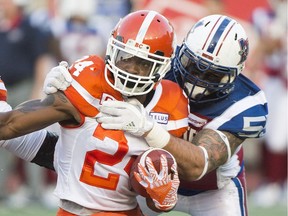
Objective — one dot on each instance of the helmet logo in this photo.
(244, 49)
(141, 46)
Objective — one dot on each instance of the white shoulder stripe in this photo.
(85, 94)
(156, 98)
(237, 108)
(145, 25)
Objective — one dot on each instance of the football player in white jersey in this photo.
(225, 109)
(93, 163)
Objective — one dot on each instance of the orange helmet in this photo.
(146, 35)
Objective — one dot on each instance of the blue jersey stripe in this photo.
(241, 195)
(217, 35)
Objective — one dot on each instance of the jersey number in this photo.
(88, 175)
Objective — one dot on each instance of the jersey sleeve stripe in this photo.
(237, 108)
(85, 94)
(177, 124)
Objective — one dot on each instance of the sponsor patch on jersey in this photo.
(160, 118)
(196, 121)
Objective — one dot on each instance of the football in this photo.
(154, 154)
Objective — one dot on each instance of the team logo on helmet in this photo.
(244, 49)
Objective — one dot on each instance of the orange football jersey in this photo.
(93, 164)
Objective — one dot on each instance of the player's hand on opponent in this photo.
(132, 117)
(161, 187)
(58, 78)
(4, 106)
(120, 115)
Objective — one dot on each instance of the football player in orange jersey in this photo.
(93, 163)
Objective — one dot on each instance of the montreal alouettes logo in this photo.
(244, 49)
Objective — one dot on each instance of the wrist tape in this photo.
(158, 137)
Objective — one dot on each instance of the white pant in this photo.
(228, 201)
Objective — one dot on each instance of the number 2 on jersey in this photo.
(97, 156)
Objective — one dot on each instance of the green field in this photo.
(37, 210)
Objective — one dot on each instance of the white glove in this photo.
(131, 117)
(162, 188)
(58, 78)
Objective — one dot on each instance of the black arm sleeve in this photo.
(45, 155)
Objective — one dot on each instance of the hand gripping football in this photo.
(154, 154)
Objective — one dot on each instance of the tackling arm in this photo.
(191, 159)
(37, 114)
(209, 148)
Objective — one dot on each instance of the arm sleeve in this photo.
(25, 147)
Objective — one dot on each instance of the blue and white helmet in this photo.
(210, 58)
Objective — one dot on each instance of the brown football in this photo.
(154, 154)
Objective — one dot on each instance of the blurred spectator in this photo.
(108, 13)
(24, 61)
(77, 35)
(81, 29)
(24, 52)
(270, 58)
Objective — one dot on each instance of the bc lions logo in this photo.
(244, 49)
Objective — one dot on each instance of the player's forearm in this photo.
(189, 157)
(195, 161)
(7, 126)
(17, 123)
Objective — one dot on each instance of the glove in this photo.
(131, 117)
(162, 188)
(58, 78)
(4, 106)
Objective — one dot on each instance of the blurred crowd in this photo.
(36, 35)
(269, 66)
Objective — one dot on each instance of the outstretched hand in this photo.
(161, 187)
